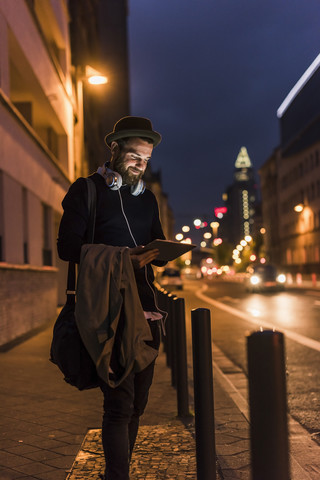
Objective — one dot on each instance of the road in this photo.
(235, 313)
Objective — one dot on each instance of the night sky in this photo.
(211, 74)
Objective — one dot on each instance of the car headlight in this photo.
(255, 279)
(281, 278)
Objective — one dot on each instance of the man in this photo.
(126, 216)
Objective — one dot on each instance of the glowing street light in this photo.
(179, 237)
(185, 228)
(298, 208)
(95, 77)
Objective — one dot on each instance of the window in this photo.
(46, 235)
(25, 225)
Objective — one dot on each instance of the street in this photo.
(235, 313)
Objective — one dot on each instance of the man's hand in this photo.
(141, 257)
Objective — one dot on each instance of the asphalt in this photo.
(51, 431)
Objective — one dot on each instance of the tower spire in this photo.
(243, 159)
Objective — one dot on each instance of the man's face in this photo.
(132, 160)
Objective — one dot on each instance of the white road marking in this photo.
(307, 342)
(229, 299)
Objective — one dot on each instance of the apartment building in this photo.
(292, 212)
(38, 141)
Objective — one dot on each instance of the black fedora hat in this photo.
(133, 127)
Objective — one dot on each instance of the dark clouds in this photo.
(211, 74)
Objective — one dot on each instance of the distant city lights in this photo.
(220, 211)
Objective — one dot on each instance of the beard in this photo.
(128, 177)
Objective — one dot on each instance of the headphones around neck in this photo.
(114, 182)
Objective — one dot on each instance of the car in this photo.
(191, 273)
(171, 278)
(264, 277)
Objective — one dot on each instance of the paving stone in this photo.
(32, 468)
(9, 474)
(55, 474)
(21, 449)
(161, 452)
(10, 460)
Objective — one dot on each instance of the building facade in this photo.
(270, 207)
(294, 232)
(37, 161)
(52, 126)
(98, 31)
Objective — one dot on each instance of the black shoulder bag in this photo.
(67, 349)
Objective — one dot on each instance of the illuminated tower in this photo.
(241, 199)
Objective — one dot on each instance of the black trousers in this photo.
(123, 407)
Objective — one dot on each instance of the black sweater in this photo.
(111, 228)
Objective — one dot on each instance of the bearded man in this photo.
(127, 215)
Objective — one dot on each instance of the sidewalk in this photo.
(51, 431)
(45, 422)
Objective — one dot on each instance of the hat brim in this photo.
(114, 136)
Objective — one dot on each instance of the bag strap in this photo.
(92, 201)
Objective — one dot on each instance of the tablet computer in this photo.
(168, 249)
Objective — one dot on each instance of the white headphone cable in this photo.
(163, 312)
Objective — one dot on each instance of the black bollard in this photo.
(181, 358)
(169, 322)
(165, 307)
(172, 339)
(268, 406)
(203, 394)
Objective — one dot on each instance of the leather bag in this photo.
(67, 349)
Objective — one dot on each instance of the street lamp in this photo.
(298, 208)
(94, 77)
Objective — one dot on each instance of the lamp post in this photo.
(94, 77)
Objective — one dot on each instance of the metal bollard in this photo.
(169, 322)
(165, 307)
(172, 339)
(181, 358)
(268, 406)
(203, 394)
